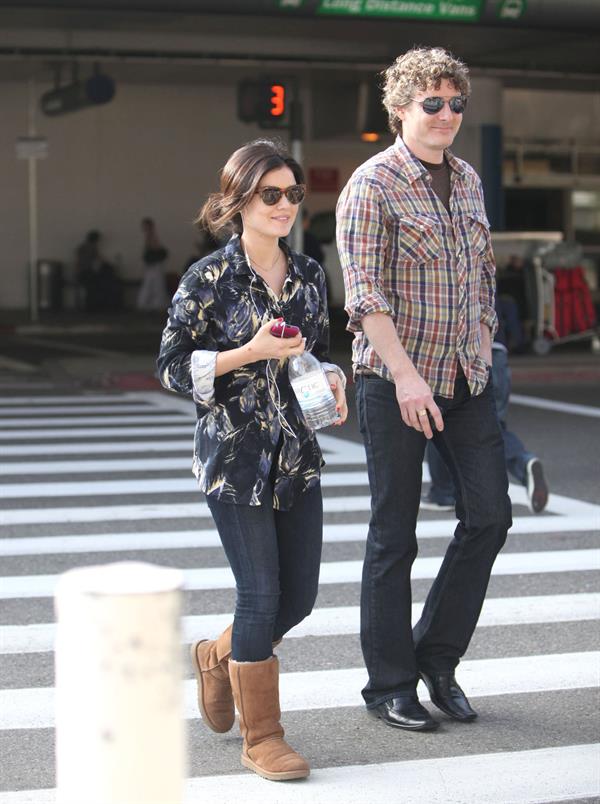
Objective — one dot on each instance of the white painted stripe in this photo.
(31, 402)
(551, 404)
(6, 425)
(527, 777)
(335, 621)
(164, 485)
(148, 511)
(26, 586)
(558, 504)
(33, 708)
(87, 448)
(73, 410)
(96, 432)
(52, 468)
(182, 539)
(193, 510)
(141, 447)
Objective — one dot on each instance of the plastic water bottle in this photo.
(312, 389)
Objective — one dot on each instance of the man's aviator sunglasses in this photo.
(272, 195)
(434, 105)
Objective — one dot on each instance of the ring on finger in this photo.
(422, 412)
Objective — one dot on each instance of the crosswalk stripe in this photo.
(527, 777)
(26, 586)
(27, 411)
(33, 402)
(353, 456)
(181, 539)
(554, 405)
(164, 485)
(33, 708)
(100, 448)
(149, 511)
(335, 621)
(6, 425)
(97, 432)
(52, 468)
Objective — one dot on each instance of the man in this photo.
(418, 269)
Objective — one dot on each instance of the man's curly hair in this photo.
(417, 70)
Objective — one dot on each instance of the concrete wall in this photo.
(156, 150)
(552, 114)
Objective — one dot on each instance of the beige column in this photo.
(119, 694)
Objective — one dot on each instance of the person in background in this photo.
(97, 277)
(523, 465)
(311, 246)
(153, 293)
(418, 266)
(255, 458)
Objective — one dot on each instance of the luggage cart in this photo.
(546, 333)
(536, 248)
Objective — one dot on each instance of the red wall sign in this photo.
(323, 180)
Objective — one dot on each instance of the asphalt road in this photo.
(532, 667)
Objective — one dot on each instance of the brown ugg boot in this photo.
(255, 688)
(210, 660)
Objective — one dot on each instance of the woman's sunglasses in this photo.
(272, 195)
(434, 105)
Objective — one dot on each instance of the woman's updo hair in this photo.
(239, 181)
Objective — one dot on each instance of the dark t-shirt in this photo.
(440, 180)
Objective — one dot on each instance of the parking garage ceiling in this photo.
(549, 42)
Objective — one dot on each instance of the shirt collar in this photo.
(235, 255)
(413, 168)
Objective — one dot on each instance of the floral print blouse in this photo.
(239, 444)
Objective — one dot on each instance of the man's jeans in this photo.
(275, 557)
(472, 445)
(517, 456)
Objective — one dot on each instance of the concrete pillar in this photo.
(119, 694)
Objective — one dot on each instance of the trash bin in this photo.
(50, 285)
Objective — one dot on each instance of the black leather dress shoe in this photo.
(404, 713)
(448, 696)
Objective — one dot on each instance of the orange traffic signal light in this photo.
(264, 102)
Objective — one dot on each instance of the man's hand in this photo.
(337, 387)
(417, 404)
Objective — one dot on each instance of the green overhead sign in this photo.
(448, 10)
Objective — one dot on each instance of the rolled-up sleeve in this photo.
(487, 287)
(362, 242)
(184, 366)
(487, 292)
(320, 349)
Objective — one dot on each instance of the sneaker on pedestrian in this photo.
(537, 488)
(428, 503)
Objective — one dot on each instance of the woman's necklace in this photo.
(261, 267)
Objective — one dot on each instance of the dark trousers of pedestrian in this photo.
(517, 457)
(471, 443)
(275, 558)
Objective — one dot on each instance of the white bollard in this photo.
(120, 734)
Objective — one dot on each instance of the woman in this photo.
(255, 458)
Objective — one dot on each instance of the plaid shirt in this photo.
(404, 255)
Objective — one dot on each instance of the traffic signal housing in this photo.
(265, 102)
(96, 90)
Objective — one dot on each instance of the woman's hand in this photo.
(264, 346)
(337, 387)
